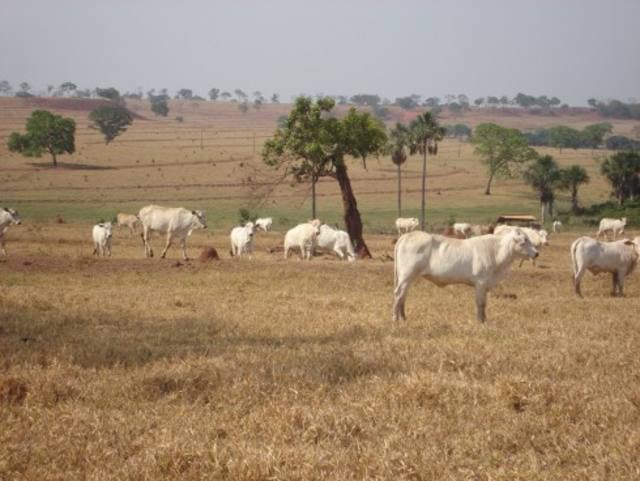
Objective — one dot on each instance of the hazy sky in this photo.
(573, 49)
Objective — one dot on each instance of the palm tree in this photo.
(424, 135)
(544, 176)
(622, 170)
(398, 143)
(571, 179)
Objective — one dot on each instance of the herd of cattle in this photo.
(475, 255)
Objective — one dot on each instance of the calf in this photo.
(102, 234)
(242, 240)
(619, 258)
(480, 262)
(337, 241)
(303, 236)
(264, 223)
(557, 226)
(613, 226)
(8, 217)
(406, 224)
(128, 220)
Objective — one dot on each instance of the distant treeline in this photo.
(616, 109)
(591, 137)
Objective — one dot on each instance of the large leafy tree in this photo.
(622, 170)
(313, 143)
(571, 180)
(46, 132)
(111, 120)
(502, 149)
(424, 135)
(397, 148)
(159, 104)
(544, 176)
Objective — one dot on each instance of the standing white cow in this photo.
(406, 224)
(557, 226)
(462, 228)
(176, 222)
(480, 262)
(619, 258)
(242, 240)
(102, 235)
(128, 220)
(7, 217)
(337, 241)
(303, 236)
(613, 226)
(264, 223)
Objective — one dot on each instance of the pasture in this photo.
(134, 368)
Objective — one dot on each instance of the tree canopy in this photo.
(111, 120)
(622, 170)
(46, 132)
(544, 176)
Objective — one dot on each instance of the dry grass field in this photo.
(147, 369)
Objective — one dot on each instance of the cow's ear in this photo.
(194, 212)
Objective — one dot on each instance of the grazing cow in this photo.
(462, 228)
(538, 238)
(7, 217)
(557, 226)
(619, 258)
(303, 236)
(613, 226)
(128, 220)
(482, 229)
(102, 234)
(337, 241)
(176, 222)
(242, 240)
(264, 223)
(406, 224)
(480, 262)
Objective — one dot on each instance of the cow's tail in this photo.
(395, 264)
(574, 260)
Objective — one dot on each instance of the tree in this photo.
(275, 98)
(479, 101)
(501, 149)
(242, 96)
(571, 179)
(592, 103)
(593, 135)
(25, 87)
(398, 146)
(225, 95)
(408, 103)
(243, 107)
(562, 136)
(46, 132)
(108, 93)
(370, 100)
(67, 88)
(424, 135)
(159, 105)
(5, 88)
(314, 144)
(622, 170)
(185, 94)
(111, 120)
(432, 102)
(213, 94)
(544, 176)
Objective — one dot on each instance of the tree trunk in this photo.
(574, 200)
(399, 193)
(351, 214)
(314, 180)
(55, 160)
(487, 191)
(424, 189)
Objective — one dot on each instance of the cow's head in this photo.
(316, 223)
(624, 221)
(544, 237)
(198, 221)
(520, 244)
(107, 227)
(250, 227)
(15, 218)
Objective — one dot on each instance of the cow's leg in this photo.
(109, 247)
(481, 302)
(146, 237)
(286, 250)
(167, 245)
(577, 278)
(95, 248)
(303, 250)
(618, 281)
(183, 244)
(4, 251)
(404, 281)
(339, 252)
(621, 283)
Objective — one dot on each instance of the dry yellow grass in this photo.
(132, 368)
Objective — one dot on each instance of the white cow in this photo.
(406, 224)
(613, 226)
(337, 241)
(557, 226)
(242, 240)
(128, 220)
(264, 223)
(480, 262)
(176, 222)
(8, 217)
(102, 234)
(462, 228)
(619, 258)
(303, 236)
(538, 238)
